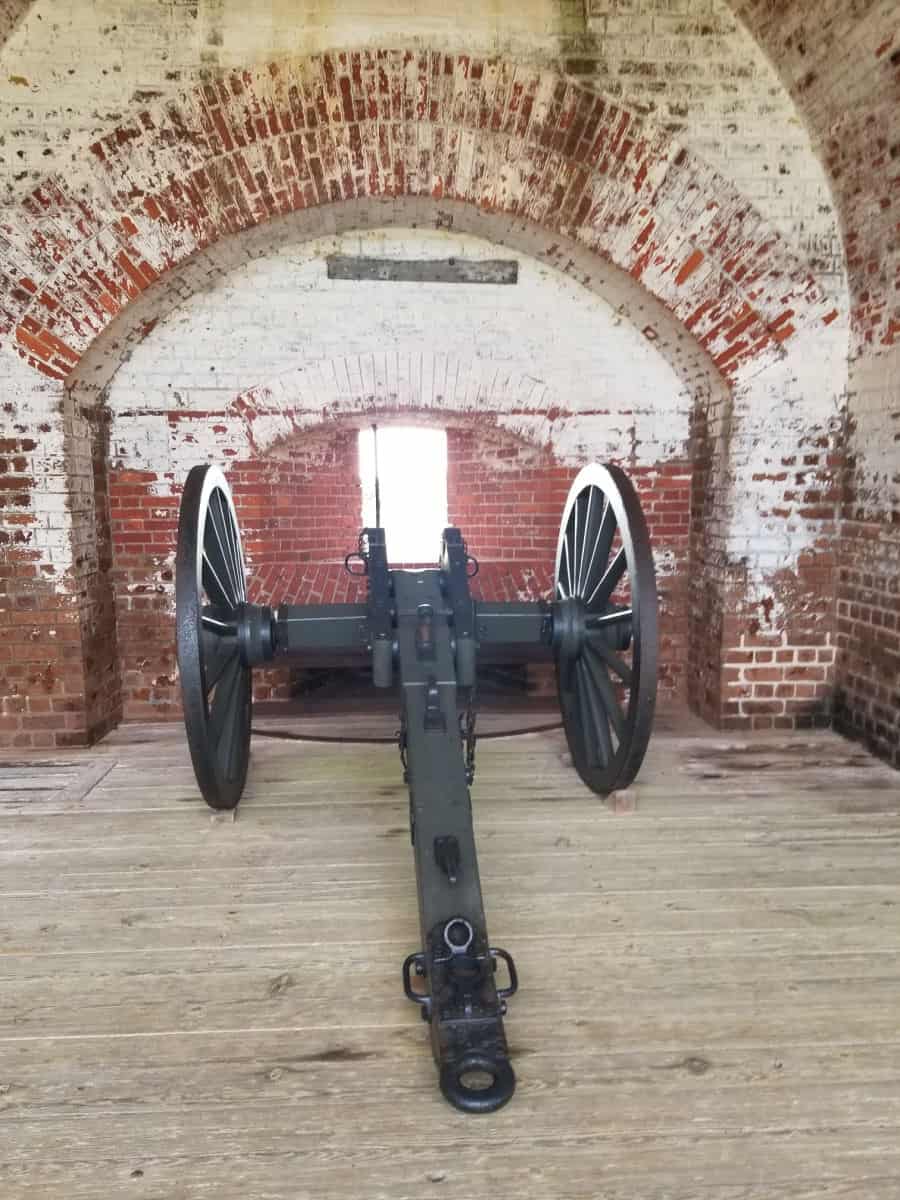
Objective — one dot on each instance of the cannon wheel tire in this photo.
(210, 588)
(607, 674)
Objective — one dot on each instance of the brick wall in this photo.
(42, 677)
(729, 275)
(841, 63)
(508, 497)
(693, 66)
(868, 597)
(299, 510)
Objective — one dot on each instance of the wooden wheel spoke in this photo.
(597, 643)
(218, 652)
(233, 745)
(602, 544)
(617, 616)
(595, 716)
(564, 580)
(592, 520)
(577, 548)
(215, 577)
(599, 597)
(221, 710)
(566, 673)
(218, 522)
(605, 691)
(232, 540)
(587, 733)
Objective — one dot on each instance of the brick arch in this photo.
(502, 136)
(662, 331)
(264, 415)
(508, 146)
(453, 388)
(298, 502)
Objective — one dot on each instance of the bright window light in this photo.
(412, 474)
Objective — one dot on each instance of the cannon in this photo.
(422, 632)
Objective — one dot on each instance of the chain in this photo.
(402, 743)
(467, 733)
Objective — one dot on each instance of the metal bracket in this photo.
(434, 717)
(380, 607)
(455, 574)
(447, 855)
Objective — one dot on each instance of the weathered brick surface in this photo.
(743, 300)
(234, 153)
(691, 65)
(868, 595)
(299, 508)
(841, 63)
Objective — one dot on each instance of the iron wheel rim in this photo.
(607, 694)
(210, 589)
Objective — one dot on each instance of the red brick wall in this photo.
(868, 593)
(868, 698)
(508, 498)
(299, 511)
(41, 675)
(144, 526)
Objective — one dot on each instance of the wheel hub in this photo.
(569, 627)
(255, 633)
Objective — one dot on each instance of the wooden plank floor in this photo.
(196, 1006)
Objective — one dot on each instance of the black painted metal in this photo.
(463, 1006)
(380, 606)
(210, 593)
(455, 564)
(606, 650)
(423, 270)
(514, 631)
(330, 634)
(424, 627)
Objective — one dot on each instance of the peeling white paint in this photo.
(323, 347)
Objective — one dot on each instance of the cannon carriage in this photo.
(422, 633)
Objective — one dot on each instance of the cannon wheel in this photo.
(210, 588)
(606, 599)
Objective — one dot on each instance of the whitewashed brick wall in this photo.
(331, 347)
(72, 70)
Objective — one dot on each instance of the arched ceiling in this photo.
(766, 92)
(71, 72)
(547, 358)
(840, 61)
(552, 265)
(500, 136)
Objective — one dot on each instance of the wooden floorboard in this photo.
(198, 1005)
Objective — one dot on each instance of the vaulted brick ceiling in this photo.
(702, 74)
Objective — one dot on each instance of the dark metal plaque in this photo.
(423, 270)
